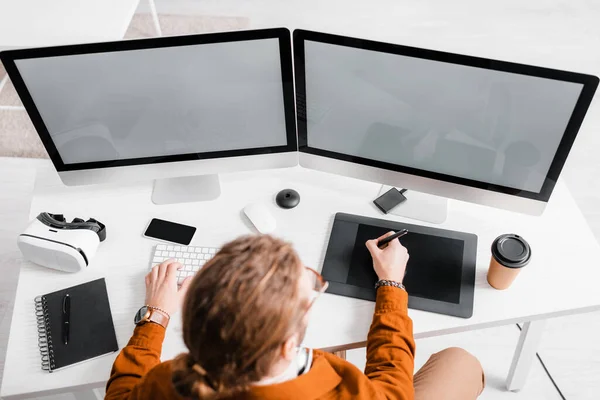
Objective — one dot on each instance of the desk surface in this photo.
(32, 23)
(561, 278)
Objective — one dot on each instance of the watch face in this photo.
(140, 315)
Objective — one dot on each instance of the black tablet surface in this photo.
(440, 275)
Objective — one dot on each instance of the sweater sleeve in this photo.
(141, 354)
(391, 346)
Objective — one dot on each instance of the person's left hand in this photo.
(161, 287)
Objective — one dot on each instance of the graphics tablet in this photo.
(440, 275)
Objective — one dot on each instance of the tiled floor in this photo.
(511, 29)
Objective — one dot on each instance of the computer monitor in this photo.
(473, 129)
(188, 107)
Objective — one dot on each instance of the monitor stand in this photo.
(186, 189)
(420, 206)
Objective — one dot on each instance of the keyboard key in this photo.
(172, 254)
(164, 253)
(187, 255)
(204, 250)
(161, 247)
(178, 254)
(193, 256)
(187, 261)
(184, 249)
(198, 250)
(194, 262)
(177, 248)
(195, 268)
(212, 251)
(188, 267)
(157, 260)
(201, 262)
(169, 248)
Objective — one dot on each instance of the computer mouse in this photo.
(261, 218)
(287, 198)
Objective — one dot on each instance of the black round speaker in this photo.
(287, 198)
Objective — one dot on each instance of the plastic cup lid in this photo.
(511, 251)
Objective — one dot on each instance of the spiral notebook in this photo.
(91, 332)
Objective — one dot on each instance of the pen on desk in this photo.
(388, 239)
(66, 318)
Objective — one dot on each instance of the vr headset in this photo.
(52, 242)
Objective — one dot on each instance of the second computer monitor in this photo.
(468, 128)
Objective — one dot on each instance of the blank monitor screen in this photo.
(162, 101)
(462, 121)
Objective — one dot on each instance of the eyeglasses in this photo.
(318, 285)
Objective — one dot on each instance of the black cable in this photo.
(548, 373)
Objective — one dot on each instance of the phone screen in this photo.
(170, 231)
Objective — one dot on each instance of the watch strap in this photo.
(159, 309)
(158, 316)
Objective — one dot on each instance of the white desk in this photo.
(542, 290)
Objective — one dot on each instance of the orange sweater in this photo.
(138, 373)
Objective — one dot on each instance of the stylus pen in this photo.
(388, 239)
(66, 317)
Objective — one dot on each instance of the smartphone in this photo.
(170, 231)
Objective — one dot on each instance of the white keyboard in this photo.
(191, 257)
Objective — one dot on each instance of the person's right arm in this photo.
(390, 343)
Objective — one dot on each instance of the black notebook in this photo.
(91, 332)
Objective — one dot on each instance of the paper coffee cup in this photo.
(510, 253)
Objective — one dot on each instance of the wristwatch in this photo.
(152, 314)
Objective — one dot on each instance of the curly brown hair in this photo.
(238, 312)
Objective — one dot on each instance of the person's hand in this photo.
(161, 287)
(389, 262)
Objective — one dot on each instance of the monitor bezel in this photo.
(589, 82)
(9, 57)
